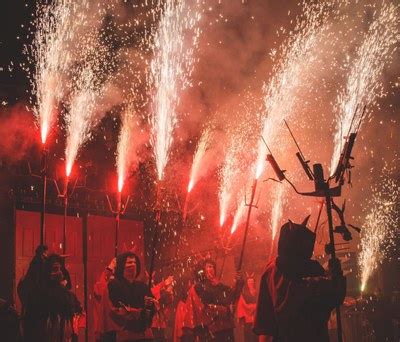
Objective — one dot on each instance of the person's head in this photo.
(41, 252)
(53, 269)
(128, 266)
(296, 241)
(210, 269)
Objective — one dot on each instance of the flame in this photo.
(221, 219)
(170, 69)
(364, 84)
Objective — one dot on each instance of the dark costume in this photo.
(29, 283)
(296, 296)
(209, 309)
(133, 324)
(51, 309)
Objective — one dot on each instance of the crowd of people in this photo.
(293, 302)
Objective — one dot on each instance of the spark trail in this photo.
(124, 145)
(55, 25)
(380, 228)
(294, 69)
(175, 42)
(364, 84)
(201, 150)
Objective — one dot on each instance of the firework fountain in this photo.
(195, 172)
(175, 41)
(380, 228)
(364, 84)
(51, 59)
(282, 92)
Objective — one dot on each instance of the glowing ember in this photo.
(364, 84)
(49, 50)
(124, 145)
(201, 149)
(170, 69)
(380, 228)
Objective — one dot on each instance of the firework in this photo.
(80, 118)
(364, 84)
(124, 145)
(298, 55)
(170, 71)
(279, 196)
(238, 217)
(201, 150)
(380, 228)
(50, 53)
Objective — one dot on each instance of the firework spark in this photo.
(170, 71)
(364, 84)
(201, 150)
(380, 228)
(238, 217)
(298, 55)
(124, 145)
(50, 52)
(277, 208)
(80, 118)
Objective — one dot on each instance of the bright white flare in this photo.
(380, 229)
(51, 57)
(170, 70)
(364, 85)
(201, 149)
(124, 145)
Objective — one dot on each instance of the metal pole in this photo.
(117, 219)
(328, 200)
(253, 193)
(65, 224)
(43, 207)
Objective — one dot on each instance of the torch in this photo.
(118, 211)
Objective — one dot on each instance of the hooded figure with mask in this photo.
(132, 303)
(50, 312)
(296, 294)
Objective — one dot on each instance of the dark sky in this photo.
(14, 20)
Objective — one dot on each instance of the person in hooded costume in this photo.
(209, 316)
(51, 309)
(132, 303)
(296, 294)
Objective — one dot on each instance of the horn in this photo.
(305, 221)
